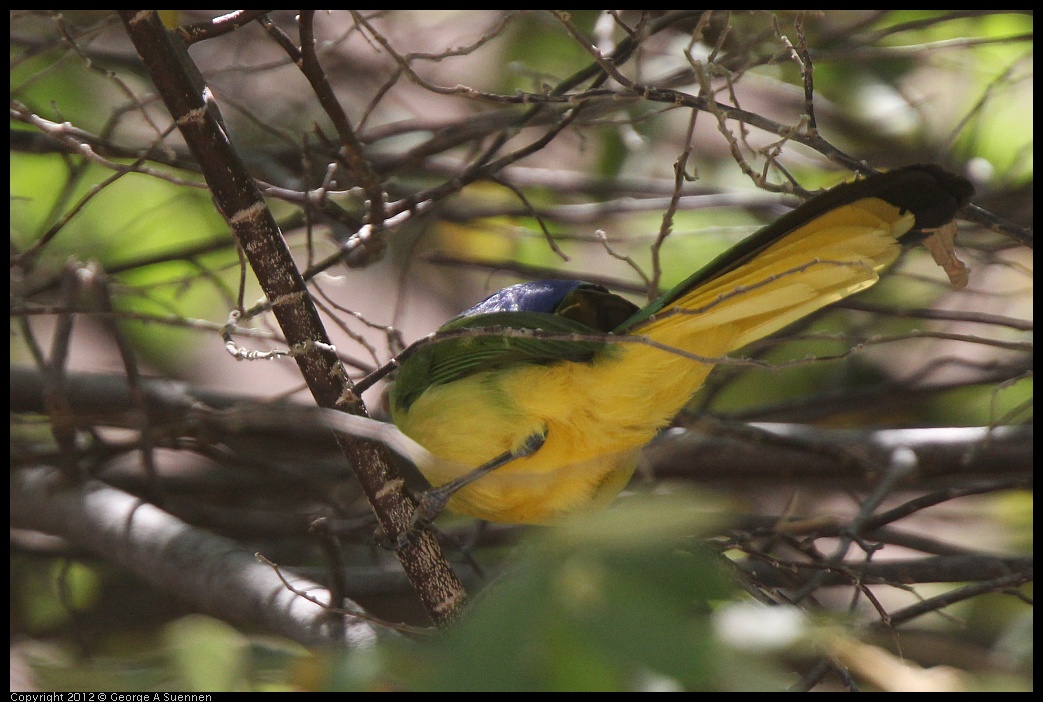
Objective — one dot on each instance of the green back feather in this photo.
(455, 357)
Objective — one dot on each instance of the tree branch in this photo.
(213, 573)
(239, 201)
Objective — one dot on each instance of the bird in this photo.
(538, 400)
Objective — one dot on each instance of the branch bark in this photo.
(213, 573)
(240, 202)
(720, 454)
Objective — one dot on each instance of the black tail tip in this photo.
(933, 194)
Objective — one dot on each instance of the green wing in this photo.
(455, 357)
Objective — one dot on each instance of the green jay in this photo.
(558, 384)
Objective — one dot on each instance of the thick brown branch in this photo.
(239, 201)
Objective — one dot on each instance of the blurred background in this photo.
(626, 148)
